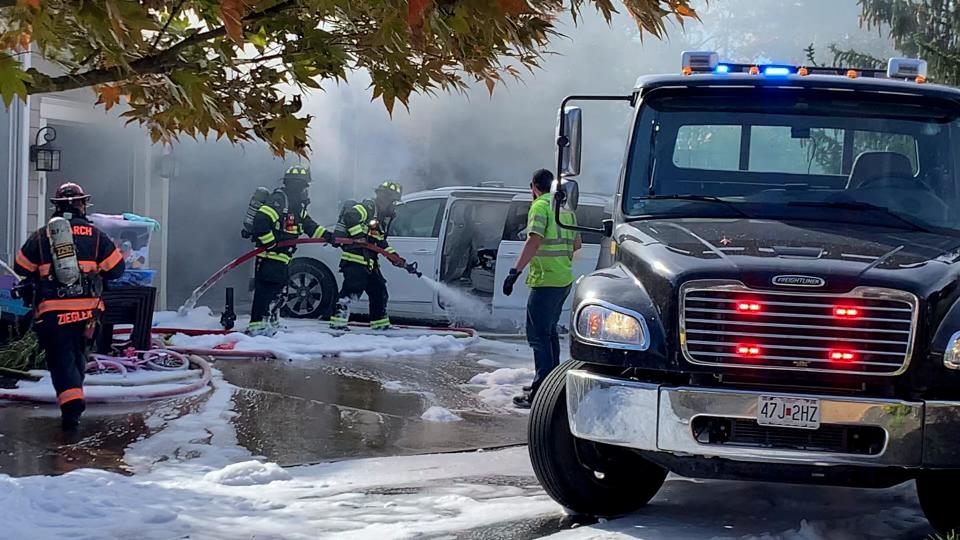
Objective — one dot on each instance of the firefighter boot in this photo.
(70, 414)
(341, 316)
(261, 328)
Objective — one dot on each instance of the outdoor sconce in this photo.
(45, 156)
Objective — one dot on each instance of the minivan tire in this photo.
(311, 290)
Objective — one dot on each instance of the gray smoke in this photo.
(466, 139)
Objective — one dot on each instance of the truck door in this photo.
(415, 234)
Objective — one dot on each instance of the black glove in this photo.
(399, 262)
(330, 239)
(508, 283)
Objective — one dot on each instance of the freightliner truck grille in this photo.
(868, 331)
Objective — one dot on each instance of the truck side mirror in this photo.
(566, 194)
(607, 227)
(569, 141)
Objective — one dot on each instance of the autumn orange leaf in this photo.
(514, 7)
(230, 14)
(109, 95)
(24, 42)
(415, 13)
(685, 11)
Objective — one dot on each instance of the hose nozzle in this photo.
(412, 268)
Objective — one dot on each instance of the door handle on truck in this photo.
(423, 252)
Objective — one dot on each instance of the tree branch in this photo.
(161, 62)
(173, 15)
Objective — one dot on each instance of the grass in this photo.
(22, 354)
(953, 535)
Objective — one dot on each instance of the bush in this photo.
(22, 354)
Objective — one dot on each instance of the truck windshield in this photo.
(784, 153)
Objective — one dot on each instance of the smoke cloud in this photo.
(466, 139)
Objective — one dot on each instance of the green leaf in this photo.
(12, 79)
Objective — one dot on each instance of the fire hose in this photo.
(227, 268)
(146, 394)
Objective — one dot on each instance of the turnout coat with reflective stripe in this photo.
(354, 223)
(283, 218)
(96, 253)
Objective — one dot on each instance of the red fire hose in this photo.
(212, 280)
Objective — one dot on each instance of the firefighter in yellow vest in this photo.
(283, 216)
(367, 222)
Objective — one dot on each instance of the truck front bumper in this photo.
(660, 418)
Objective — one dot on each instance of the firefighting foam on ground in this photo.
(693, 276)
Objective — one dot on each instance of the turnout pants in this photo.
(544, 306)
(357, 280)
(269, 280)
(65, 351)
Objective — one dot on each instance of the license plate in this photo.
(803, 413)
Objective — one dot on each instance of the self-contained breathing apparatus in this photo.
(66, 280)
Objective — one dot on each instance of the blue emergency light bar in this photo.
(709, 62)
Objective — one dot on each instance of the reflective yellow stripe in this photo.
(362, 210)
(353, 257)
(355, 230)
(267, 238)
(391, 250)
(319, 232)
(269, 212)
(282, 257)
(380, 323)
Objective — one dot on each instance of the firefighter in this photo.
(367, 222)
(64, 266)
(548, 251)
(282, 217)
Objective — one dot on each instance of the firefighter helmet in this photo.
(391, 190)
(69, 192)
(297, 174)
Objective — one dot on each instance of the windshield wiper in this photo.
(855, 205)
(695, 198)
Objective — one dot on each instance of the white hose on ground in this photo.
(205, 377)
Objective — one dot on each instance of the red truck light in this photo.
(747, 306)
(842, 356)
(846, 312)
(748, 351)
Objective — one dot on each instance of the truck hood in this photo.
(754, 251)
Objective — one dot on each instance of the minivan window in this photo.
(418, 219)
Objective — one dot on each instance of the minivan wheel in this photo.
(627, 482)
(937, 491)
(311, 290)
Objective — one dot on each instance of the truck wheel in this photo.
(936, 491)
(627, 482)
(311, 290)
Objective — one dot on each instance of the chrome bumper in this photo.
(654, 417)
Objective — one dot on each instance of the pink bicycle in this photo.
(133, 360)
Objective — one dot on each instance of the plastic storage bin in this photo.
(132, 238)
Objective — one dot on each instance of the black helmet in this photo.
(297, 175)
(392, 191)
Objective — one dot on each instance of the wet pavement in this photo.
(288, 412)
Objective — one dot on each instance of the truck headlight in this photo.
(612, 326)
(951, 357)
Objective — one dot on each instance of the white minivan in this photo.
(464, 238)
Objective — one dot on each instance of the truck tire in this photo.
(311, 290)
(627, 484)
(936, 491)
